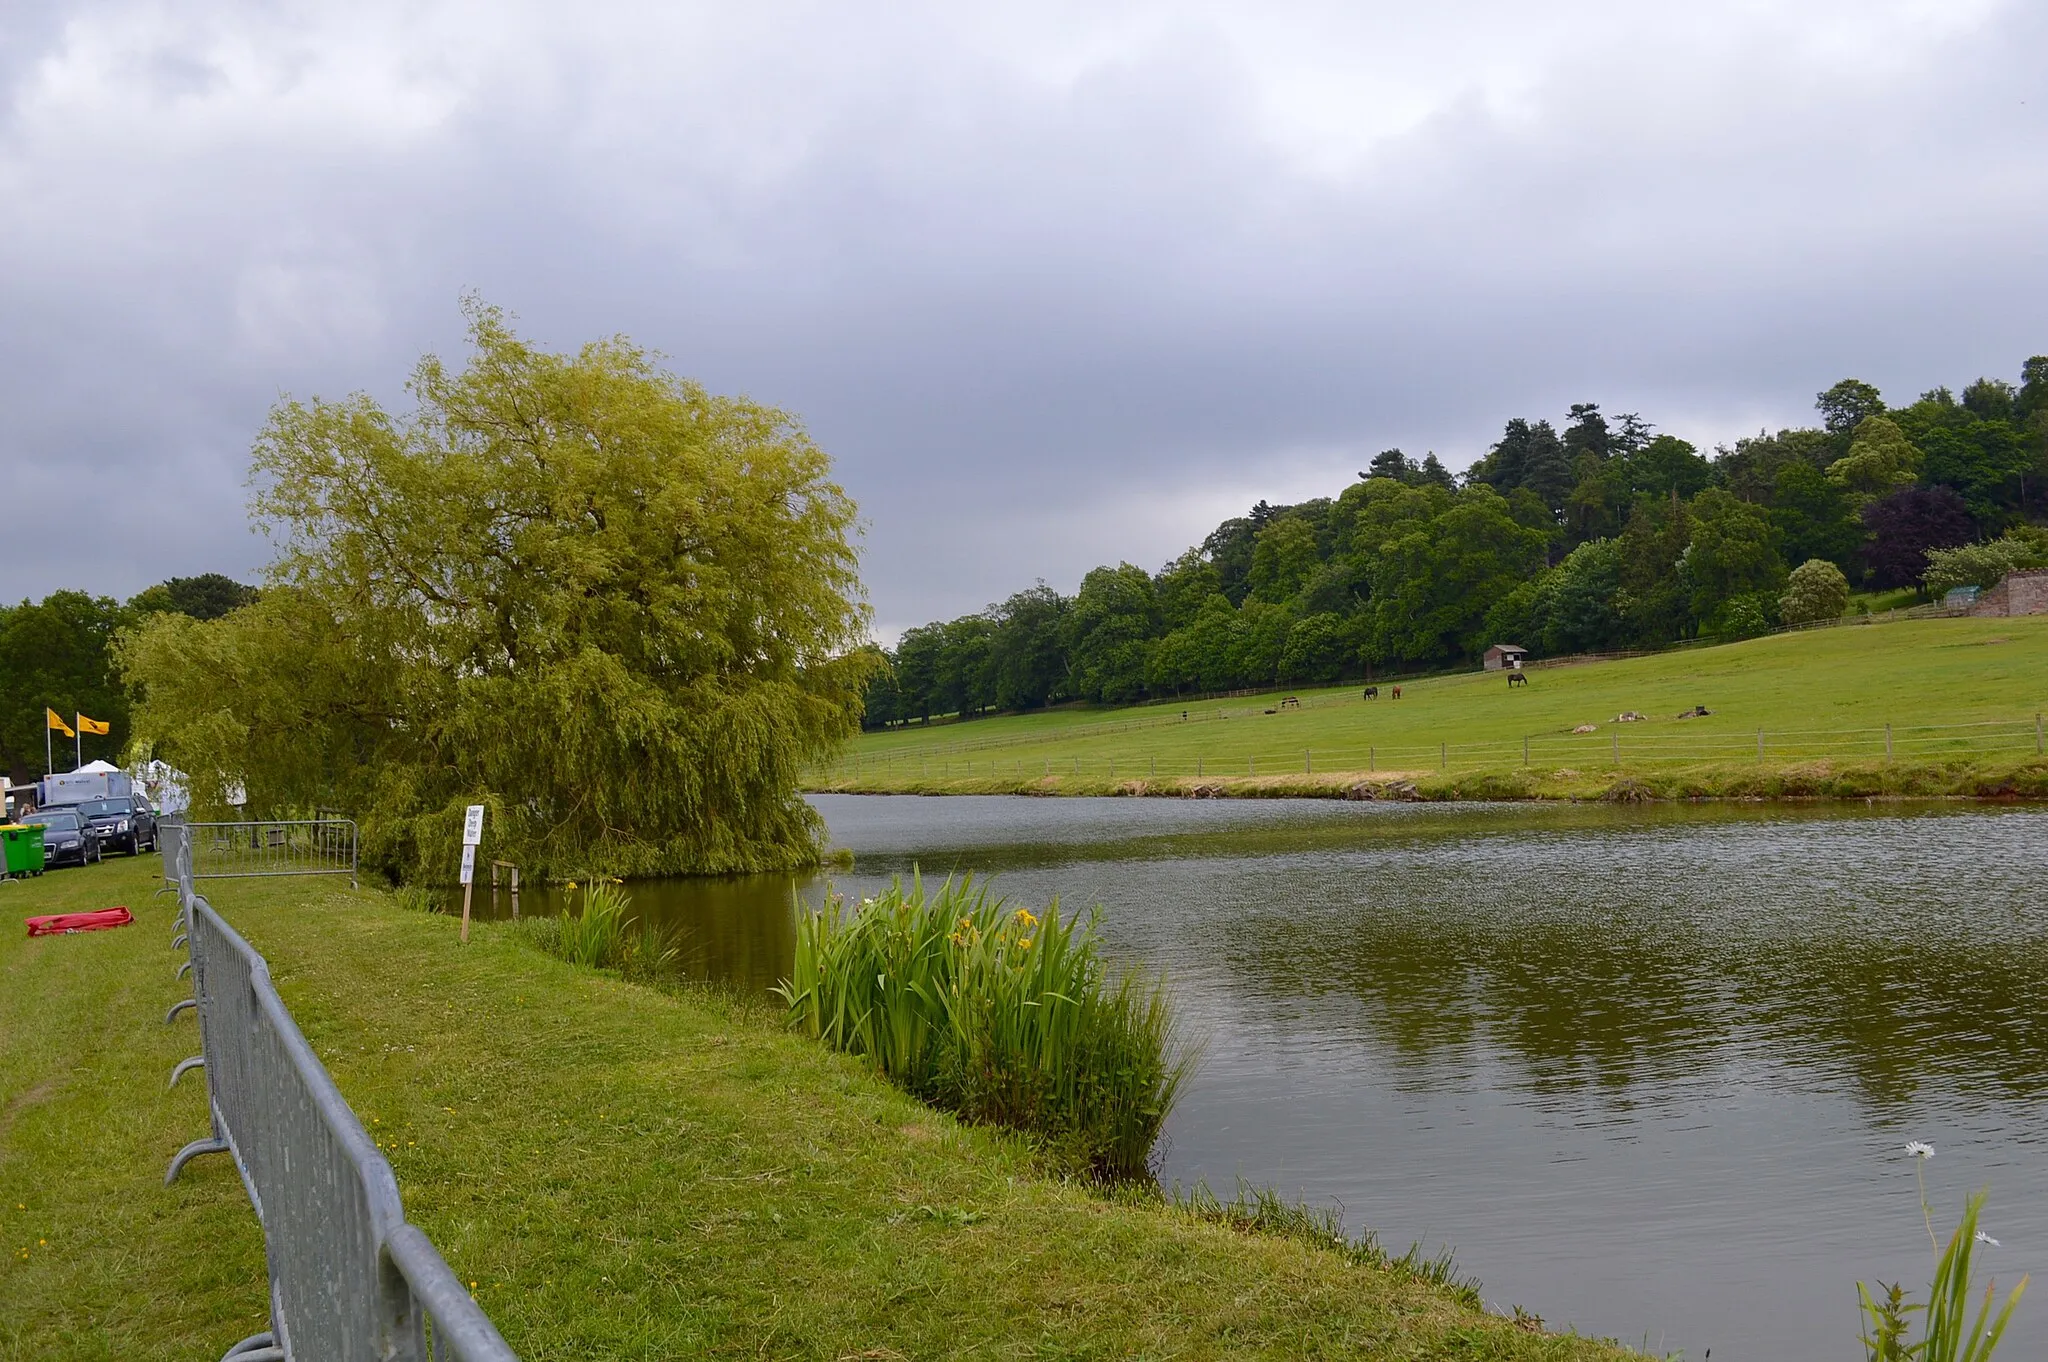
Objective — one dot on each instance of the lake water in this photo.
(1649, 1070)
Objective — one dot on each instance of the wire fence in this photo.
(1617, 746)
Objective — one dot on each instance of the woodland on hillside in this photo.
(1602, 534)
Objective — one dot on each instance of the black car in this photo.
(67, 839)
(123, 822)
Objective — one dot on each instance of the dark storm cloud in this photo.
(1054, 287)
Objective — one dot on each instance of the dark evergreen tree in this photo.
(1432, 473)
(1585, 432)
(205, 597)
(1390, 463)
(1845, 406)
(1630, 433)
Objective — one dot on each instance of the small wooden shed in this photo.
(1505, 656)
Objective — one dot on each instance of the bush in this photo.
(1981, 565)
(1815, 591)
(1743, 616)
(997, 1015)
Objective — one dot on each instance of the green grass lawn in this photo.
(1952, 690)
(622, 1172)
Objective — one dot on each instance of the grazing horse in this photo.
(1372, 692)
(1517, 677)
(1397, 692)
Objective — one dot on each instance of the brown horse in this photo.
(1397, 692)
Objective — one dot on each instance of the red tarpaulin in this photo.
(80, 922)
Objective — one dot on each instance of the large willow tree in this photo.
(617, 609)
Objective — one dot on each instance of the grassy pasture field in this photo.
(1961, 698)
(619, 1171)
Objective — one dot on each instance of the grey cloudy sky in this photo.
(1056, 284)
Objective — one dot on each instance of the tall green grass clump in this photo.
(605, 935)
(996, 1014)
(1948, 1331)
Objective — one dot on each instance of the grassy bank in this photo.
(623, 1172)
(1987, 778)
(1924, 707)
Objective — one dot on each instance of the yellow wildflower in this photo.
(1026, 918)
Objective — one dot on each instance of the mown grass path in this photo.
(623, 1173)
(1952, 690)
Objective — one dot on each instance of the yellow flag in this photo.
(50, 718)
(99, 726)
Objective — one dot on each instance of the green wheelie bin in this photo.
(21, 849)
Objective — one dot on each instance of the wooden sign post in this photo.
(472, 833)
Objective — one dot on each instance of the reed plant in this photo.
(598, 936)
(605, 934)
(1949, 1333)
(414, 898)
(998, 1014)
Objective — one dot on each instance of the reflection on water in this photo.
(1648, 1069)
(739, 929)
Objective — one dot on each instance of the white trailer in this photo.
(95, 780)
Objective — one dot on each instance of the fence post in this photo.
(1887, 742)
(1308, 762)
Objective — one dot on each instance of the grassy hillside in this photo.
(620, 1172)
(1960, 696)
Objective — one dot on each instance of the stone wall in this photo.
(2021, 593)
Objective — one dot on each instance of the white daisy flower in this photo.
(1920, 1149)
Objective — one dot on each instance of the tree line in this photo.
(57, 654)
(1595, 533)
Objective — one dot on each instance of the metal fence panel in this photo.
(287, 846)
(349, 1279)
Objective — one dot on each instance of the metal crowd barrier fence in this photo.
(292, 846)
(350, 1280)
